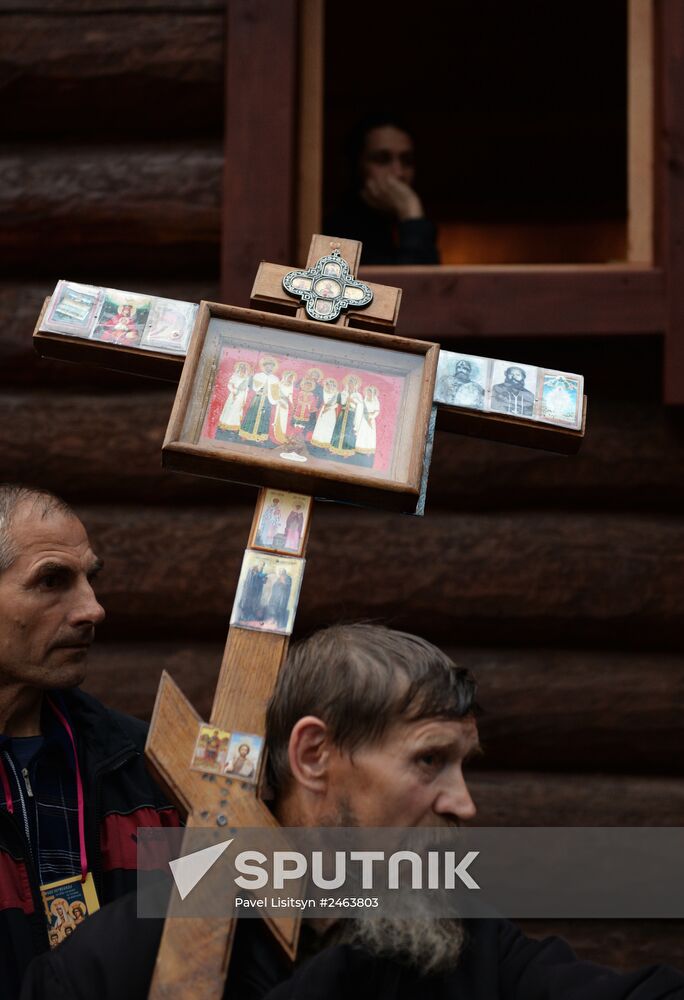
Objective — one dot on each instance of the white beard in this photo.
(428, 946)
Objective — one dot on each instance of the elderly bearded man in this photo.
(366, 727)
(73, 782)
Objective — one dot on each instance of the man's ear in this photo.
(309, 753)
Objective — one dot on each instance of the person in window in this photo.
(383, 210)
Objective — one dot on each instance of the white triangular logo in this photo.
(188, 870)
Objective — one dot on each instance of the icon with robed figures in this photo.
(282, 522)
(121, 319)
(302, 412)
(243, 757)
(234, 755)
(273, 400)
(211, 750)
(67, 903)
(267, 592)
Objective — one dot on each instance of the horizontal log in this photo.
(632, 457)
(592, 709)
(108, 205)
(71, 7)
(620, 944)
(575, 578)
(633, 374)
(557, 709)
(146, 72)
(519, 798)
(503, 798)
(20, 305)
(449, 303)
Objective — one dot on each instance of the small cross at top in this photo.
(327, 288)
(380, 312)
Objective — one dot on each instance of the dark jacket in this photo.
(385, 241)
(119, 796)
(497, 963)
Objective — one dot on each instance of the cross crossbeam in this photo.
(194, 955)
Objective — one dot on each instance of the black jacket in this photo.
(497, 963)
(384, 240)
(119, 796)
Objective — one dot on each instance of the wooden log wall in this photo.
(559, 581)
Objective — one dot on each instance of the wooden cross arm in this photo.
(380, 315)
(206, 799)
(268, 294)
(512, 430)
(194, 953)
(170, 743)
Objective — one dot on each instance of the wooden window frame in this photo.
(272, 207)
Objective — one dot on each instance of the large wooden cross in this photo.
(194, 954)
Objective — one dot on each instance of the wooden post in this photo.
(258, 177)
(671, 178)
(194, 955)
(640, 130)
(310, 111)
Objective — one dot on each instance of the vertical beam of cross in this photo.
(194, 954)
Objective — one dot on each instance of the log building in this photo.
(167, 146)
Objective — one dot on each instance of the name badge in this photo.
(67, 903)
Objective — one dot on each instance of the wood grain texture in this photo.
(550, 709)
(169, 759)
(101, 205)
(20, 305)
(258, 202)
(620, 944)
(72, 7)
(514, 430)
(446, 303)
(194, 956)
(534, 798)
(249, 669)
(541, 703)
(640, 131)
(562, 578)
(670, 160)
(242, 693)
(101, 71)
(632, 456)
(192, 959)
(310, 110)
(267, 293)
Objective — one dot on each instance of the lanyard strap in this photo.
(79, 790)
(6, 788)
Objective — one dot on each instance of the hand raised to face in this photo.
(392, 196)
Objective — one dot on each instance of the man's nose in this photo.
(86, 610)
(454, 800)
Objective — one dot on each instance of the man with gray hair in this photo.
(73, 782)
(367, 727)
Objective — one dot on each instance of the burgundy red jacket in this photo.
(119, 796)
